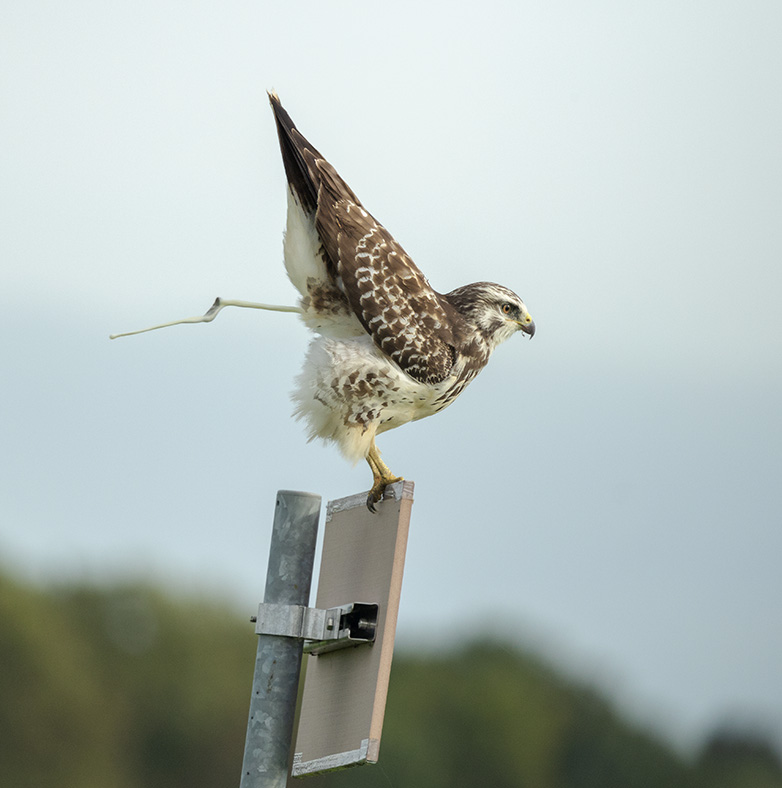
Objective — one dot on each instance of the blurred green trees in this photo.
(130, 688)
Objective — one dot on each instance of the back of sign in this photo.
(345, 690)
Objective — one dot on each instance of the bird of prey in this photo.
(389, 349)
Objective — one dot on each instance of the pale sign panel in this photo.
(345, 690)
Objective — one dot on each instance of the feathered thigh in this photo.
(348, 391)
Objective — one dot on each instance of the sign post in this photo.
(278, 660)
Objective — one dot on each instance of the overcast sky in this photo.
(609, 491)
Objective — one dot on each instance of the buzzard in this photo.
(388, 348)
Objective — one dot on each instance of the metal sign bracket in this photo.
(338, 627)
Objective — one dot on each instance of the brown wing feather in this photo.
(405, 317)
(298, 157)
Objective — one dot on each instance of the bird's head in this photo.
(497, 312)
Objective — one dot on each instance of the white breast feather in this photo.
(348, 391)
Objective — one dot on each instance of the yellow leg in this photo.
(382, 477)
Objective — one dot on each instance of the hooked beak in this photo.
(527, 325)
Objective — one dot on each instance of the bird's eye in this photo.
(507, 308)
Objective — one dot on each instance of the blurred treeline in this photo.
(130, 688)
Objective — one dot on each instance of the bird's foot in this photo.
(375, 495)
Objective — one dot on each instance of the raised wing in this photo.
(407, 320)
(395, 303)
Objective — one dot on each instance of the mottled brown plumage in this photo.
(391, 349)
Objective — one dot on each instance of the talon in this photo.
(382, 476)
(378, 491)
(375, 495)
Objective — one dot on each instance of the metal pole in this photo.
(278, 662)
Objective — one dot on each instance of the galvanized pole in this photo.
(278, 662)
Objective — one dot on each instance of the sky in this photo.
(608, 493)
